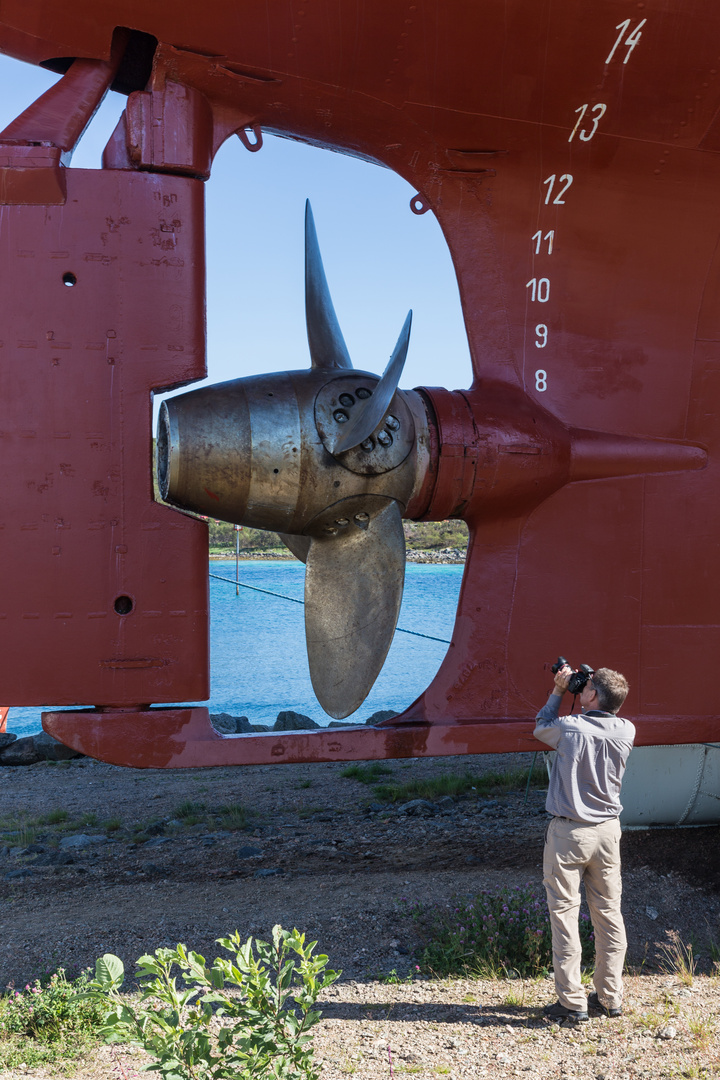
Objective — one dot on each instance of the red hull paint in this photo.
(570, 154)
(183, 738)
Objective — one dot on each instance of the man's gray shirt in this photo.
(592, 751)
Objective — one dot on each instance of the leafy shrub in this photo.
(47, 1021)
(202, 1031)
(507, 930)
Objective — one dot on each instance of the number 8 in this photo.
(541, 380)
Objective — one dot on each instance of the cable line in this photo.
(282, 596)
(256, 589)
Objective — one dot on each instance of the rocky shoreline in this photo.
(442, 555)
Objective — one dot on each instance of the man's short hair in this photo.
(612, 689)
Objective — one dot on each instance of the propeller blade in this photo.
(299, 545)
(367, 418)
(328, 350)
(353, 589)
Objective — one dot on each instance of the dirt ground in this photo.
(315, 852)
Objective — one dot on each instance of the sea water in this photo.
(258, 662)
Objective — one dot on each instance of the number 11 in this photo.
(548, 237)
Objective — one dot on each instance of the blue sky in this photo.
(380, 258)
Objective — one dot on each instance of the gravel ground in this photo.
(316, 852)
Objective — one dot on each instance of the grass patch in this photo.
(112, 824)
(455, 785)
(702, 1029)
(55, 817)
(490, 935)
(234, 816)
(310, 811)
(432, 788)
(24, 835)
(190, 813)
(45, 1024)
(392, 978)
(366, 774)
(677, 958)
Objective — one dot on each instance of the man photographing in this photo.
(582, 842)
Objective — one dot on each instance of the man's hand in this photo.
(562, 678)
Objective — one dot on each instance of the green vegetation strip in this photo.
(490, 935)
(46, 1023)
(496, 782)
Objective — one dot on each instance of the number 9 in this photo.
(542, 332)
(541, 380)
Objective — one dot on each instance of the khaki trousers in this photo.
(577, 851)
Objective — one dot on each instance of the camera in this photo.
(578, 679)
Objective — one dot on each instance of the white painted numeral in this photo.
(548, 238)
(558, 200)
(541, 331)
(586, 136)
(630, 41)
(541, 380)
(540, 289)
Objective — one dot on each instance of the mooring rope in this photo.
(294, 600)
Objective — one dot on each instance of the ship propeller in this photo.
(326, 457)
(354, 554)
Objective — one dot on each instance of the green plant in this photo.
(305, 784)
(702, 1030)
(492, 933)
(89, 819)
(392, 977)
(456, 784)
(234, 816)
(514, 996)
(189, 809)
(433, 535)
(112, 824)
(24, 836)
(677, 958)
(55, 817)
(48, 1022)
(310, 811)
(264, 1026)
(366, 774)
(659, 1017)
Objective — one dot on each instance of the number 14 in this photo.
(630, 41)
